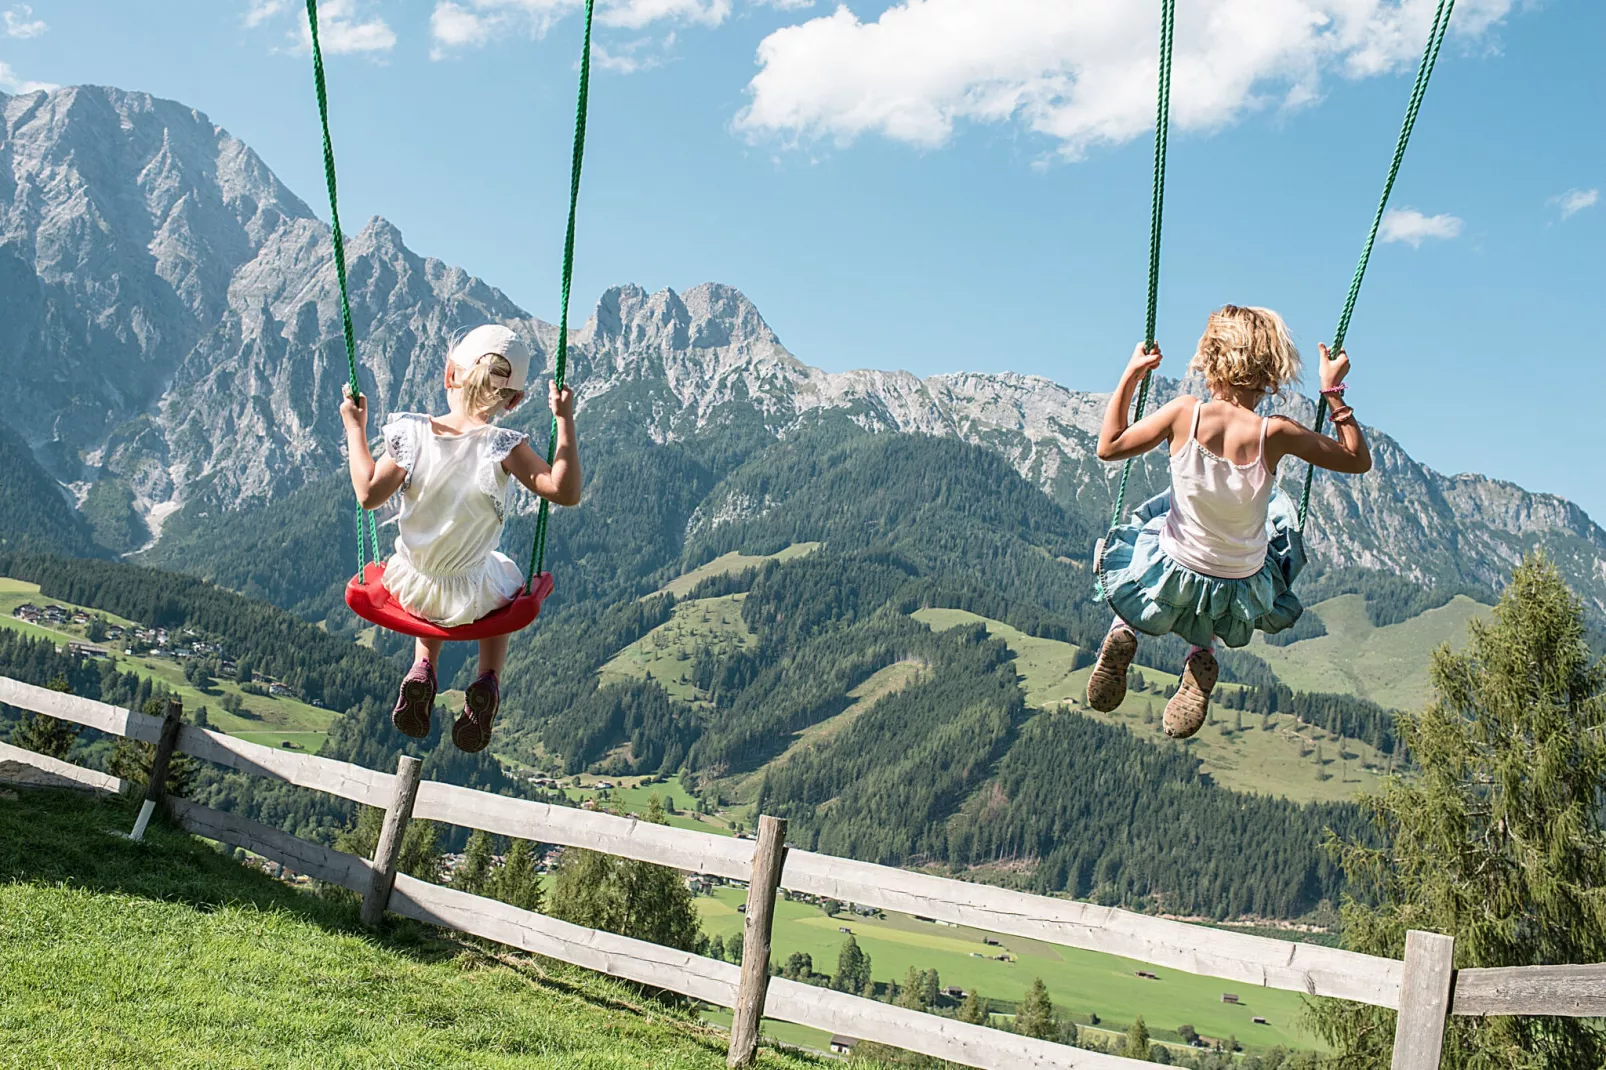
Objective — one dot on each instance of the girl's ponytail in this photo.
(482, 395)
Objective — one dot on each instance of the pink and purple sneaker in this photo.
(472, 731)
(416, 703)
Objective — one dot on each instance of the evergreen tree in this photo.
(1497, 840)
(515, 881)
(420, 853)
(627, 897)
(911, 994)
(1035, 1018)
(974, 1009)
(1137, 1040)
(46, 735)
(471, 874)
(131, 758)
(930, 988)
(716, 948)
(852, 967)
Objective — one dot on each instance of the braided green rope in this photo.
(1430, 56)
(365, 519)
(1162, 121)
(538, 549)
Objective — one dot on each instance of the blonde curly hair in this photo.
(1246, 349)
(481, 395)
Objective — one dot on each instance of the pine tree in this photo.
(1035, 1018)
(131, 758)
(911, 994)
(627, 897)
(515, 881)
(1137, 1040)
(1497, 838)
(471, 874)
(420, 853)
(43, 734)
(974, 1009)
(930, 988)
(852, 967)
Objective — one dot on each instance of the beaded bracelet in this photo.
(1338, 389)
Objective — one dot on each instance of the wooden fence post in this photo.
(156, 786)
(768, 857)
(391, 834)
(1424, 1000)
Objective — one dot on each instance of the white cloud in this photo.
(1575, 200)
(1412, 227)
(10, 83)
(21, 23)
(470, 23)
(1078, 72)
(343, 25)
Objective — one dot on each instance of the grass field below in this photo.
(668, 652)
(725, 564)
(1081, 983)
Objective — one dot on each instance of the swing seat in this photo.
(368, 598)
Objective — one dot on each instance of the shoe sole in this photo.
(1106, 688)
(1186, 712)
(467, 732)
(412, 718)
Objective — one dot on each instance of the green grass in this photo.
(633, 795)
(260, 714)
(1388, 665)
(169, 955)
(1271, 756)
(667, 653)
(1078, 981)
(310, 742)
(725, 564)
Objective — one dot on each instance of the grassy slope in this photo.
(268, 719)
(725, 564)
(669, 650)
(1273, 756)
(168, 955)
(1078, 981)
(1388, 665)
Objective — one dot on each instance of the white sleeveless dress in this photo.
(446, 568)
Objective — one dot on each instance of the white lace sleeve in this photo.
(493, 480)
(401, 442)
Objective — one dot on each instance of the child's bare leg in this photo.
(428, 650)
(1106, 688)
(493, 654)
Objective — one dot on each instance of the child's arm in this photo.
(1346, 451)
(558, 483)
(374, 483)
(1117, 440)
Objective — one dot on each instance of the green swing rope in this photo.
(538, 549)
(1162, 120)
(1430, 56)
(365, 519)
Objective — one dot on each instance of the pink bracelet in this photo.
(1339, 389)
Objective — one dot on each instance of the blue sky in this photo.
(963, 184)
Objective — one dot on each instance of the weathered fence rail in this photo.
(1424, 988)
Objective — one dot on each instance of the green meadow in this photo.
(1081, 983)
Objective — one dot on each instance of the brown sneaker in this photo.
(416, 703)
(1106, 688)
(472, 731)
(1187, 710)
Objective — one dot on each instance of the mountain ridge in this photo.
(146, 250)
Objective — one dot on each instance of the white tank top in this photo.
(1217, 523)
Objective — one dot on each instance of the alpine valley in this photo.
(857, 600)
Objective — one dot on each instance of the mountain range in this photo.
(858, 599)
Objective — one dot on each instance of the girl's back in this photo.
(1219, 495)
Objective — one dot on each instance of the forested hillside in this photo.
(34, 513)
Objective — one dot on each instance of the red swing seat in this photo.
(369, 599)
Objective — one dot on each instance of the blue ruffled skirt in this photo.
(1157, 595)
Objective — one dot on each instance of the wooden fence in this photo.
(1424, 988)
